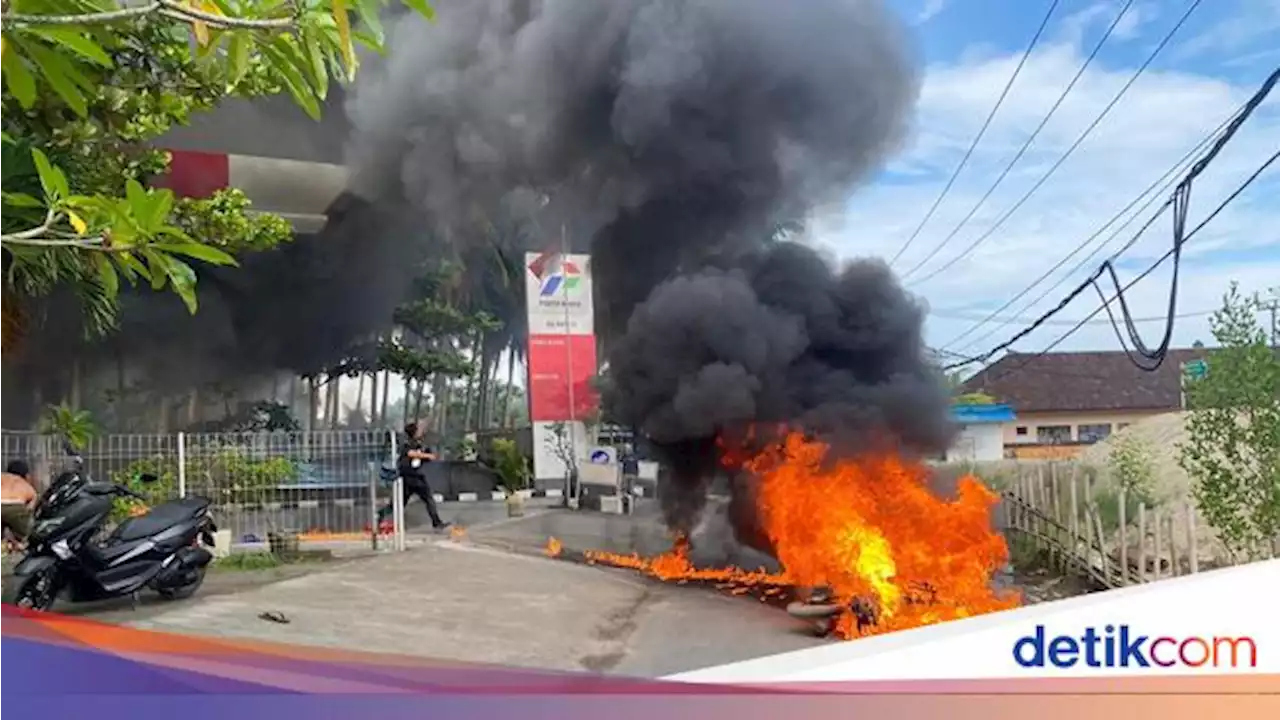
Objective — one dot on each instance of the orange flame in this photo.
(456, 533)
(867, 529)
(553, 547)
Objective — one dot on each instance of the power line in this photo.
(1180, 195)
(1169, 178)
(1181, 201)
(1035, 39)
(1063, 323)
(1025, 145)
(1070, 150)
(1120, 291)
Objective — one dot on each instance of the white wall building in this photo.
(981, 436)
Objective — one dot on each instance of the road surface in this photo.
(465, 599)
(492, 596)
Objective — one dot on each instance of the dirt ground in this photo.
(1043, 585)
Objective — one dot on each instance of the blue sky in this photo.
(969, 48)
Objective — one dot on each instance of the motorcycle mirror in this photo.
(148, 478)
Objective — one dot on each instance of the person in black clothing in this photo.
(413, 455)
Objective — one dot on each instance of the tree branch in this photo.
(92, 243)
(82, 19)
(222, 21)
(168, 8)
(44, 235)
(34, 232)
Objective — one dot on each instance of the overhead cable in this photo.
(1092, 279)
(1054, 168)
(1035, 39)
(1027, 143)
(1152, 192)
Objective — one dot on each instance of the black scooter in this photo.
(160, 549)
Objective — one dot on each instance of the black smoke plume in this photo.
(670, 138)
(658, 131)
(780, 337)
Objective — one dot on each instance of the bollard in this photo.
(182, 465)
(373, 508)
(397, 514)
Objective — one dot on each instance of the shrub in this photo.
(227, 475)
(510, 464)
(77, 427)
(1132, 465)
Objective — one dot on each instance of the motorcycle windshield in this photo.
(59, 493)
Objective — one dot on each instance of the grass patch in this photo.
(264, 560)
(1024, 555)
(248, 561)
(1108, 502)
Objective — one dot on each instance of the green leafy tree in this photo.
(74, 426)
(87, 83)
(1131, 463)
(444, 331)
(1233, 446)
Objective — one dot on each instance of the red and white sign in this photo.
(558, 363)
(558, 291)
(562, 354)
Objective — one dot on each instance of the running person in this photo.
(414, 454)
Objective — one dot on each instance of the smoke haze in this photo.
(671, 138)
(659, 131)
(668, 138)
(296, 308)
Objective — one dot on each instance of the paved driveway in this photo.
(465, 602)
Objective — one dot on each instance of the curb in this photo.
(494, 496)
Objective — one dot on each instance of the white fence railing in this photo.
(321, 485)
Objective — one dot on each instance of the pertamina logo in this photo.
(555, 274)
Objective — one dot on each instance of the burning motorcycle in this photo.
(160, 549)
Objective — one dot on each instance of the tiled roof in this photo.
(1082, 381)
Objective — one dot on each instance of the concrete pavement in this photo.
(642, 532)
(492, 596)
(467, 514)
(465, 602)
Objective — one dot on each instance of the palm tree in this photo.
(503, 277)
(495, 285)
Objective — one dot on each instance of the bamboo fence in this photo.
(1052, 507)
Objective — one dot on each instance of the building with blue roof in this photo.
(981, 436)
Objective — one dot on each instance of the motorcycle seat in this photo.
(160, 517)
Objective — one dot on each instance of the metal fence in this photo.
(321, 485)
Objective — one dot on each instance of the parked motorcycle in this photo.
(160, 549)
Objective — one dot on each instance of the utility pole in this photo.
(571, 492)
